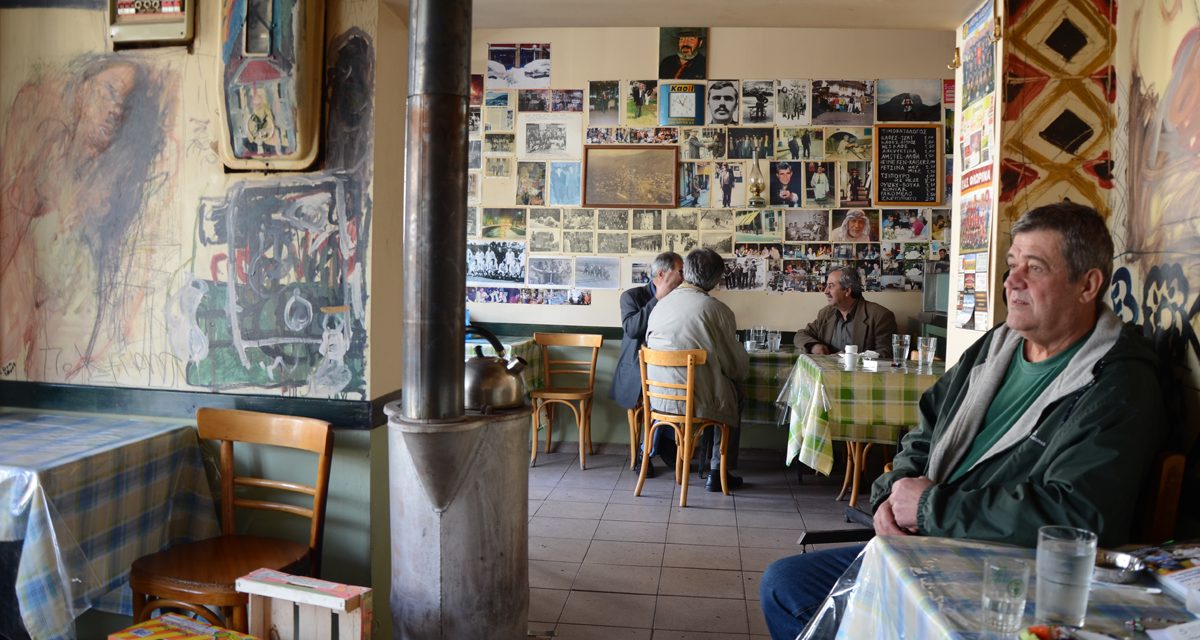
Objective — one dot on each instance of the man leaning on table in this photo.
(689, 318)
(636, 305)
(849, 319)
(1050, 418)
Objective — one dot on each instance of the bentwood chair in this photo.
(635, 430)
(576, 397)
(198, 576)
(687, 426)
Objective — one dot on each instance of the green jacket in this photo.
(1081, 464)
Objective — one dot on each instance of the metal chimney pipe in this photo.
(435, 209)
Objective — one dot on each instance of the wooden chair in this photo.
(687, 426)
(195, 576)
(578, 398)
(635, 430)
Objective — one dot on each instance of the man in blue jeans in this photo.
(1051, 418)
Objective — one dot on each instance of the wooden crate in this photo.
(275, 597)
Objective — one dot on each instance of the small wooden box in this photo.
(172, 626)
(274, 597)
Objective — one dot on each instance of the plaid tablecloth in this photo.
(88, 495)
(830, 402)
(514, 346)
(931, 588)
(769, 372)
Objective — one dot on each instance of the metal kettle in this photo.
(492, 382)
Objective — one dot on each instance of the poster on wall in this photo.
(978, 55)
(683, 53)
(681, 104)
(909, 101)
(518, 66)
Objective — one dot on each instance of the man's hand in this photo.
(906, 493)
(885, 521)
(820, 349)
(666, 282)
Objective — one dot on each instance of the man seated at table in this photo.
(1052, 418)
(689, 318)
(636, 305)
(849, 319)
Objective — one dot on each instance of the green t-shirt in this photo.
(1023, 383)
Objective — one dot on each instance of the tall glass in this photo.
(901, 344)
(1004, 584)
(774, 340)
(926, 348)
(760, 336)
(1065, 558)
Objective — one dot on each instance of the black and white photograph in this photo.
(682, 220)
(719, 241)
(854, 184)
(716, 220)
(472, 221)
(759, 225)
(570, 100)
(474, 121)
(531, 183)
(758, 102)
(565, 180)
(646, 242)
(498, 167)
(683, 53)
(498, 119)
(849, 143)
(495, 262)
(847, 102)
(680, 242)
(548, 136)
(702, 143)
(545, 241)
(612, 242)
(640, 273)
(730, 185)
(496, 99)
(641, 103)
(806, 225)
(909, 100)
(579, 219)
(721, 98)
(540, 218)
(474, 154)
(695, 184)
(474, 192)
(612, 220)
(744, 141)
(604, 99)
(745, 274)
(499, 143)
(791, 102)
(800, 143)
(598, 273)
(550, 272)
(647, 220)
(533, 100)
(518, 66)
(820, 178)
(579, 242)
(503, 223)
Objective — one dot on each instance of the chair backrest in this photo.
(586, 369)
(689, 358)
(228, 426)
(1159, 504)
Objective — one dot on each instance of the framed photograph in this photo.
(642, 176)
(548, 136)
(682, 53)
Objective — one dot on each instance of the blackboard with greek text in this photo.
(908, 165)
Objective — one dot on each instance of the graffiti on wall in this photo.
(86, 182)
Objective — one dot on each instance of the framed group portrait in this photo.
(643, 176)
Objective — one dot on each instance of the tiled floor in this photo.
(604, 563)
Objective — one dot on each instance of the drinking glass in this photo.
(1065, 558)
(1005, 581)
(760, 336)
(901, 345)
(926, 347)
(774, 339)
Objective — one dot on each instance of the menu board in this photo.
(908, 164)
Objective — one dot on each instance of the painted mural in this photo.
(87, 188)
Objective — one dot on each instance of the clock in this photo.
(683, 105)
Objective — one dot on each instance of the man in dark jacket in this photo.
(636, 305)
(849, 319)
(1052, 418)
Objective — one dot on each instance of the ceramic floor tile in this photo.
(546, 574)
(702, 556)
(590, 478)
(754, 618)
(755, 537)
(539, 492)
(693, 514)
(710, 583)
(750, 581)
(702, 534)
(557, 549)
(622, 531)
(671, 634)
(642, 554)
(592, 632)
(637, 513)
(595, 608)
(615, 578)
(580, 494)
(534, 505)
(563, 509)
(714, 615)
(758, 559)
(769, 519)
(545, 605)
(781, 502)
(578, 528)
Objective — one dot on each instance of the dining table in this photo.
(931, 588)
(769, 372)
(861, 402)
(85, 495)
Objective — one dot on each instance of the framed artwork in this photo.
(681, 103)
(138, 21)
(642, 176)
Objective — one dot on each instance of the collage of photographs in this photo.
(582, 185)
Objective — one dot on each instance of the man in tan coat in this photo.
(849, 319)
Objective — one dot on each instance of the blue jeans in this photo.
(792, 589)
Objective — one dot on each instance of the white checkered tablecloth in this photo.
(88, 495)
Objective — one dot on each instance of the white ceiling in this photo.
(939, 15)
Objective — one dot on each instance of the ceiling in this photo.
(938, 15)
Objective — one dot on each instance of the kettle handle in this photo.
(486, 335)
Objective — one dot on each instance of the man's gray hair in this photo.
(703, 268)
(849, 278)
(1086, 242)
(664, 262)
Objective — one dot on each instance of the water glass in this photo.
(1005, 581)
(901, 345)
(760, 336)
(926, 348)
(774, 340)
(1065, 559)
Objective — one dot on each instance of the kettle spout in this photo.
(516, 365)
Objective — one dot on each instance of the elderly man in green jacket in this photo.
(1052, 418)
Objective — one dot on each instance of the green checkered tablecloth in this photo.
(522, 346)
(769, 372)
(831, 402)
(931, 588)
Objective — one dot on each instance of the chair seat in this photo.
(206, 570)
(562, 393)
